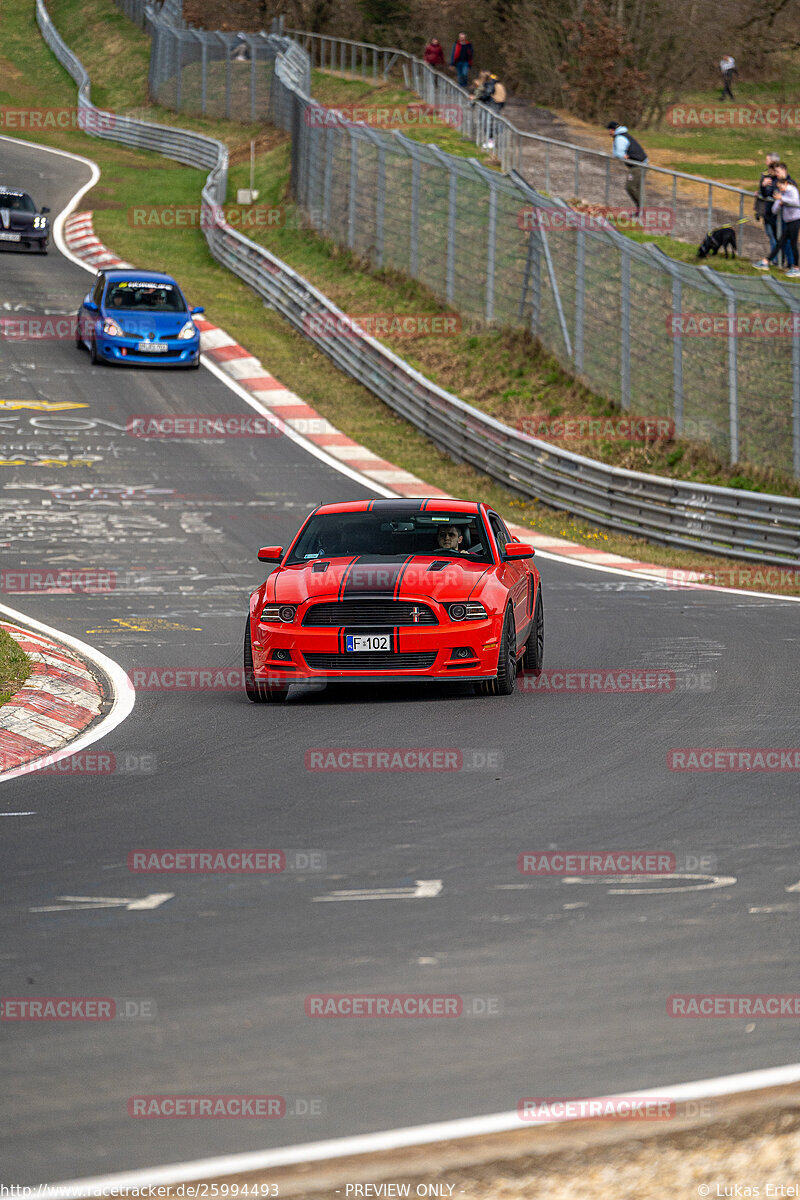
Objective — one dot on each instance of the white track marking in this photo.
(394, 1139)
(709, 881)
(794, 888)
(154, 900)
(423, 889)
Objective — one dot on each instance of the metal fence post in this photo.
(413, 255)
(227, 53)
(380, 201)
(203, 71)
(580, 296)
(625, 327)
(327, 185)
(733, 362)
(451, 234)
(252, 50)
(179, 75)
(353, 191)
(491, 238)
(677, 355)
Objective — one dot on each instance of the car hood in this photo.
(150, 327)
(442, 579)
(11, 219)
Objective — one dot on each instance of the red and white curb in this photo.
(247, 372)
(59, 699)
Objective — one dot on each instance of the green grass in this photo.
(15, 666)
(136, 177)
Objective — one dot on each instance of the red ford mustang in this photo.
(392, 591)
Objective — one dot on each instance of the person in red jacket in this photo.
(434, 53)
(461, 59)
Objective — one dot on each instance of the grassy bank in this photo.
(15, 666)
(135, 177)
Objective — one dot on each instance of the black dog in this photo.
(720, 239)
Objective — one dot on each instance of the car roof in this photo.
(144, 276)
(414, 505)
(13, 191)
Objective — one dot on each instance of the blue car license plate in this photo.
(369, 641)
(152, 347)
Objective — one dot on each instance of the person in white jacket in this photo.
(787, 204)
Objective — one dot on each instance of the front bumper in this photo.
(124, 350)
(319, 654)
(27, 239)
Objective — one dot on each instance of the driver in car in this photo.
(449, 537)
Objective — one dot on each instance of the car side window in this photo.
(97, 294)
(500, 532)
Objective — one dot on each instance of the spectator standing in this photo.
(787, 202)
(727, 66)
(461, 59)
(434, 53)
(627, 150)
(765, 198)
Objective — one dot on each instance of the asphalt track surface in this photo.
(581, 975)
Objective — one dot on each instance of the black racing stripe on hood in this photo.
(366, 575)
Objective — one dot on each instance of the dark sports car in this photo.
(392, 591)
(21, 223)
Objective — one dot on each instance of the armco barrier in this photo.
(750, 525)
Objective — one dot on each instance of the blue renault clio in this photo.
(138, 317)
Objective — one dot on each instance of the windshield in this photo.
(145, 297)
(393, 535)
(17, 201)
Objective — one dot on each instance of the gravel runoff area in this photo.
(714, 1148)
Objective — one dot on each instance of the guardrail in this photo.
(592, 174)
(750, 525)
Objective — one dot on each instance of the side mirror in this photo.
(194, 311)
(270, 554)
(44, 209)
(518, 550)
(90, 306)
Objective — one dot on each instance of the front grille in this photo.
(368, 613)
(379, 660)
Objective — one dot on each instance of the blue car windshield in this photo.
(146, 297)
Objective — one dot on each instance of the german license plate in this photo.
(9, 237)
(369, 641)
(152, 347)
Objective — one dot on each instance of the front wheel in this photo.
(79, 342)
(505, 681)
(258, 693)
(93, 355)
(533, 658)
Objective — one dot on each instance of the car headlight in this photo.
(469, 611)
(188, 331)
(111, 328)
(279, 612)
(40, 222)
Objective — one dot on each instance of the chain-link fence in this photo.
(718, 355)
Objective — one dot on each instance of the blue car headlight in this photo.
(111, 328)
(188, 331)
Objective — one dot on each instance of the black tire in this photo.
(43, 247)
(505, 681)
(533, 657)
(258, 693)
(93, 355)
(195, 366)
(79, 342)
